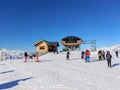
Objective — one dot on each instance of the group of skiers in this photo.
(101, 56)
(85, 54)
(26, 56)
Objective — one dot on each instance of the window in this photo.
(71, 40)
(42, 47)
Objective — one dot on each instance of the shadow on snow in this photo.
(46, 60)
(12, 83)
(39, 61)
(94, 60)
(116, 64)
(7, 72)
(2, 64)
(74, 59)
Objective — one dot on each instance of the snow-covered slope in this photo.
(54, 72)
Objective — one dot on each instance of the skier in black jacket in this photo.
(108, 57)
(67, 55)
(26, 56)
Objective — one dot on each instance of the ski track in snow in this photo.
(54, 72)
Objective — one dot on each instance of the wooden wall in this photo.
(42, 44)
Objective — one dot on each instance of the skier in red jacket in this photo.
(87, 56)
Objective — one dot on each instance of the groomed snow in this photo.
(54, 72)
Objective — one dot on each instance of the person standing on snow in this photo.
(116, 52)
(67, 55)
(103, 55)
(82, 54)
(37, 57)
(26, 56)
(100, 55)
(87, 56)
(108, 57)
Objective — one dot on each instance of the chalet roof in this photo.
(49, 43)
(54, 43)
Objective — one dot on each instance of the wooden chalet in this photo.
(44, 46)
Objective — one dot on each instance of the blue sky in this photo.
(24, 22)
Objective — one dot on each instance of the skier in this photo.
(100, 55)
(37, 57)
(26, 56)
(87, 56)
(108, 57)
(67, 55)
(116, 52)
(103, 55)
(82, 54)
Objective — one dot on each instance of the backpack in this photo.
(108, 56)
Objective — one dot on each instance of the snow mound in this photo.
(112, 48)
(12, 54)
